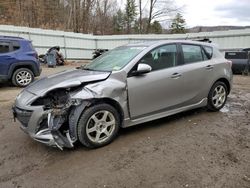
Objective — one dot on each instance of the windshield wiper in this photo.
(85, 68)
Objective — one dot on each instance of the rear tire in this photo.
(98, 125)
(217, 96)
(22, 77)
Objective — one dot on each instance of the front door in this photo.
(159, 90)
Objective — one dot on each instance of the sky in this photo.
(215, 12)
(211, 12)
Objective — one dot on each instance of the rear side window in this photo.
(192, 53)
(236, 55)
(16, 46)
(4, 47)
(208, 51)
(205, 55)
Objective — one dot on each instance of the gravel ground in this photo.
(191, 149)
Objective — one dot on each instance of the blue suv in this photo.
(18, 61)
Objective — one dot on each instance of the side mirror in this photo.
(142, 69)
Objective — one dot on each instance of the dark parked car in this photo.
(125, 86)
(18, 61)
(240, 61)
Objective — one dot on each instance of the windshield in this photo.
(115, 59)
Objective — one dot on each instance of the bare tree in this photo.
(87, 7)
(160, 9)
(86, 16)
(102, 20)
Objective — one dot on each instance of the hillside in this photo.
(215, 28)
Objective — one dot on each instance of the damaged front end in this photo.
(52, 119)
(49, 109)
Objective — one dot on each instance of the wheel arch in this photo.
(14, 67)
(113, 103)
(226, 82)
(76, 112)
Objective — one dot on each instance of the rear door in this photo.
(7, 57)
(197, 72)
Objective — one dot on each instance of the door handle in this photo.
(209, 67)
(176, 75)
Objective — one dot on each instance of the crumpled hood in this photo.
(65, 79)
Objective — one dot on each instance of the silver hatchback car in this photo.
(126, 86)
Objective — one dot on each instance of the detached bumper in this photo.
(39, 124)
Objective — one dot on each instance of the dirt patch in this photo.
(191, 149)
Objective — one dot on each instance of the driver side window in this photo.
(161, 57)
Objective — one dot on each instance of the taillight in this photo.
(230, 63)
(36, 55)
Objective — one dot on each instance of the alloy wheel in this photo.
(219, 96)
(23, 78)
(100, 126)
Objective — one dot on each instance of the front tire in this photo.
(22, 77)
(98, 125)
(217, 96)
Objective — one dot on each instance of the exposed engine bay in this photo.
(58, 104)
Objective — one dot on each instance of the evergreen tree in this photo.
(118, 21)
(130, 14)
(156, 27)
(178, 24)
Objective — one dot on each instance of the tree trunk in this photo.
(140, 18)
(150, 15)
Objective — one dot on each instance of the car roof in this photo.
(144, 43)
(159, 42)
(12, 38)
